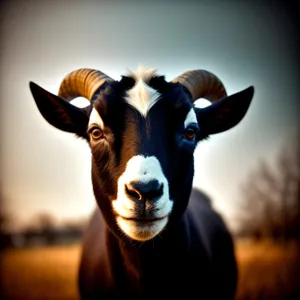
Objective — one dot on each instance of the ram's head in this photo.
(142, 131)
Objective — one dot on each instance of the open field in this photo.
(267, 271)
(40, 273)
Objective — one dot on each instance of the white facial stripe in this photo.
(96, 119)
(142, 97)
(190, 118)
(142, 169)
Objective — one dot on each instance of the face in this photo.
(142, 133)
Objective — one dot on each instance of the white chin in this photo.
(141, 230)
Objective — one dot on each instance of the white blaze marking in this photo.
(142, 169)
(142, 96)
(96, 119)
(190, 118)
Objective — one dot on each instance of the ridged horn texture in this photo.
(82, 83)
(202, 84)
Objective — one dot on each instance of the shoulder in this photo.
(205, 220)
(211, 229)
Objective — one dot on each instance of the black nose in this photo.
(144, 191)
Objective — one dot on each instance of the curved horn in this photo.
(202, 84)
(82, 83)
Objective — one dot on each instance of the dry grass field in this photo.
(266, 271)
(40, 273)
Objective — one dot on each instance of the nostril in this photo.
(144, 191)
(134, 193)
(156, 192)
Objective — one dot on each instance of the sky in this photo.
(44, 170)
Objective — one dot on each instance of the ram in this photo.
(152, 236)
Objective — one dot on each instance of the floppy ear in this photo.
(59, 112)
(224, 114)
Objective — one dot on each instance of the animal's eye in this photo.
(190, 133)
(96, 133)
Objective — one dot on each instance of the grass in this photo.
(267, 271)
(40, 273)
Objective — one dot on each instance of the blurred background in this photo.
(251, 172)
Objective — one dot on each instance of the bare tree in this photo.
(271, 197)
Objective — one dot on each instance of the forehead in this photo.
(143, 95)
